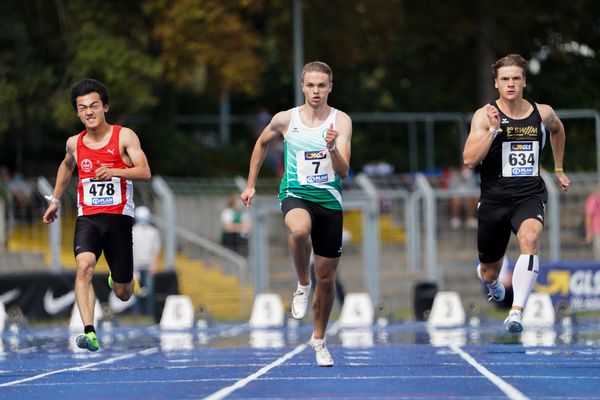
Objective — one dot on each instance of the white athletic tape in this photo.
(447, 310)
(267, 311)
(357, 311)
(178, 312)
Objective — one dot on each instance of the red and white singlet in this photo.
(114, 196)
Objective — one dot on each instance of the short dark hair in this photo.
(510, 60)
(87, 86)
(317, 66)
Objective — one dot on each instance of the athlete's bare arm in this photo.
(63, 177)
(272, 132)
(341, 136)
(557, 140)
(480, 137)
(133, 155)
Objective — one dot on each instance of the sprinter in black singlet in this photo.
(506, 138)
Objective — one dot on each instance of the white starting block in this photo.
(357, 312)
(267, 311)
(539, 311)
(178, 312)
(75, 324)
(447, 311)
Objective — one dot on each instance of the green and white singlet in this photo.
(309, 171)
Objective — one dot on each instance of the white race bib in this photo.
(101, 193)
(314, 167)
(520, 159)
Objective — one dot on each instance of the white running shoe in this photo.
(496, 291)
(513, 322)
(323, 356)
(300, 303)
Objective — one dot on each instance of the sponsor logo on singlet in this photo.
(314, 155)
(102, 201)
(522, 171)
(86, 165)
(316, 178)
(521, 146)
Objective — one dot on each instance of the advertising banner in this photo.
(47, 295)
(575, 282)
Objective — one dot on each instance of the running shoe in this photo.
(322, 355)
(300, 303)
(513, 322)
(136, 285)
(496, 291)
(87, 341)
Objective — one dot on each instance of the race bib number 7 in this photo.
(101, 193)
(520, 159)
(314, 167)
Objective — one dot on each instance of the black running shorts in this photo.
(110, 233)
(327, 225)
(496, 221)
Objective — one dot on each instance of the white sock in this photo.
(524, 277)
(304, 288)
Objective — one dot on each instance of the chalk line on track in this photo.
(510, 391)
(221, 394)
(81, 367)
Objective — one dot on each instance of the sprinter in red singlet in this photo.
(108, 158)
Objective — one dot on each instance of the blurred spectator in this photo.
(146, 251)
(21, 193)
(21, 190)
(378, 168)
(235, 223)
(592, 222)
(462, 208)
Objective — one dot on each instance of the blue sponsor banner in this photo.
(576, 282)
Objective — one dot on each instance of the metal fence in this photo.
(399, 225)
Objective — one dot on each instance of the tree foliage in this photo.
(163, 58)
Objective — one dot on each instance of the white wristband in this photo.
(494, 131)
(52, 199)
(332, 148)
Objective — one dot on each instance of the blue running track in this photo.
(398, 361)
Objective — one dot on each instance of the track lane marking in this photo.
(510, 391)
(80, 367)
(226, 391)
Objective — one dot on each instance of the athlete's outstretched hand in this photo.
(247, 195)
(103, 173)
(330, 136)
(563, 180)
(493, 116)
(51, 213)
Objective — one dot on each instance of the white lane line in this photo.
(78, 368)
(510, 391)
(221, 394)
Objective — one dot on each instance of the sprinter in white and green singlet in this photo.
(317, 156)
(309, 173)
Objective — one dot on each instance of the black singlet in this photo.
(511, 171)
